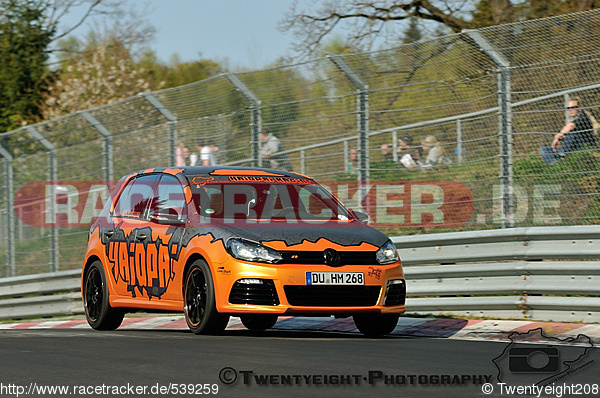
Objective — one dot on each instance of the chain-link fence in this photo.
(484, 101)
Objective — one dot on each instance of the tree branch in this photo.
(312, 27)
(93, 5)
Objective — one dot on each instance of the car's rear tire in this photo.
(199, 301)
(376, 325)
(259, 322)
(98, 312)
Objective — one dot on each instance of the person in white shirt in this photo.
(207, 154)
(407, 154)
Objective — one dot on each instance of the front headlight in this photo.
(251, 251)
(387, 254)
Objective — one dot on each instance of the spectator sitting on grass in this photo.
(386, 152)
(574, 135)
(408, 154)
(435, 153)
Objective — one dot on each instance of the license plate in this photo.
(335, 278)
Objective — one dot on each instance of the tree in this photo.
(104, 69)
(24, 39)
(365, 21)
(413, 33)
(335, 45)
(28, 28)
(89, 9)
(177, 73)
(102, 74)
(110, 63)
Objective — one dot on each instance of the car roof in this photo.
(222, 171)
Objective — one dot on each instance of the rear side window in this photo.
(136, 197)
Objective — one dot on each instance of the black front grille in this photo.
(332, 296)
(257, 294)
(396, 294)
(316, 257)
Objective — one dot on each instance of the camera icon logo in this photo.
(533, 360)
(522, 363)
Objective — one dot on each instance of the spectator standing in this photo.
(193, 159)
(270, 151)
(353, 162)
(182, 154)
(207, 154)
(574, 135)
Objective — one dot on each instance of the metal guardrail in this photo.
(503, 273)
(495, 273)
(41, 295)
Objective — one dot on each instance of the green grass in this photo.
(573, 183)
(33, 256)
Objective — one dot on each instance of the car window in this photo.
(122, 199)
(169, 200)
(268, 202)
(136, 197)
(314, 203)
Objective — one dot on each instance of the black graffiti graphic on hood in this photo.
(349, 237)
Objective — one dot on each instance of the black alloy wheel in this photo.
(199, 301)
(98, 312)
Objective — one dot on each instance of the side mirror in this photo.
(362, 216)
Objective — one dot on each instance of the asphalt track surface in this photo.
(161, 357)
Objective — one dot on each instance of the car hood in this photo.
(354, 236)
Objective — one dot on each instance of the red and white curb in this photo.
(463, 329)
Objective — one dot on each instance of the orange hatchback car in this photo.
(253, 243)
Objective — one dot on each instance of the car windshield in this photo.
(269, 202)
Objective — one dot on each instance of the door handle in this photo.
(141, 236)
(109, 233)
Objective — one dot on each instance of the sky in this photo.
(243, 32)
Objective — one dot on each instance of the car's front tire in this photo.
(98, 312)
(259, 322)
(376, 325)
(199, 301)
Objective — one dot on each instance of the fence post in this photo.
(52, 178)
(303, 162)
(567, 117)
(505, 124)
(363, 115)
(459, 141)
(346, 155)
(10, 209)
(108, 148)
(255, 119)
(172, 124)
(395, 146)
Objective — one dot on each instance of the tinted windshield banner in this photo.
(253, 200)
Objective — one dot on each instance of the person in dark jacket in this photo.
(574, 136)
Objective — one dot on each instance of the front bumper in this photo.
(283, 290)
